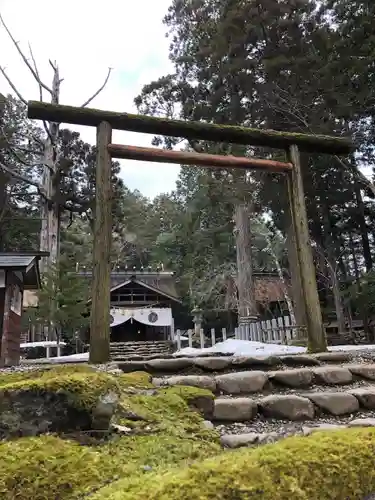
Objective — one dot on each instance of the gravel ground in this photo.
(286, 427)
(44, 366)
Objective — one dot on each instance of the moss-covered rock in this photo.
(55, 401)
(175, 410)
(168, 431)
(327, 465)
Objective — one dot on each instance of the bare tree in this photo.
(260, 228)
(328, 269)
(49, 188)
(51, 202)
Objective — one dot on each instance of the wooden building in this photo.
(143, 305)
(18, 272)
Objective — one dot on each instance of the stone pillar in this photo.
(246, 327)
(197, 320)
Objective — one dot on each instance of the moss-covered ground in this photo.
(330, 465)
(166, 434)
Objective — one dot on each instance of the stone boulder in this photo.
(362, 422)
(333, 375)
(57, 402)
(201, 381)
(300, 377)
(333, 357)
(306, 431)
(131, 366)
(288, 407)
(167, 365)
(366, 371)
(299, 360)
(256, 361)
(335, 403)
(241, 382)
(365, 396)
(235, 410)
(239, 440)
(212, 364)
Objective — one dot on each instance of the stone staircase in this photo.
(140, 350)
(263, 399)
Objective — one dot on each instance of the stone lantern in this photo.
(197, 320)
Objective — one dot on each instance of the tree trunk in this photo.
(330, 244)
(247, 309)
(339, 309)
(50, 209)
(50, 230)
(363, 311)
(363, 228)
(281, 277)
(298, 302)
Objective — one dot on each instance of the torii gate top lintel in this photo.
(189, 129)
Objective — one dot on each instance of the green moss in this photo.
(49, 467)
(137, 380)
(7, 378)
(82, 389)
(329, 465)
(188, 393)
(167, 411)
(188, 129)
(46, 468)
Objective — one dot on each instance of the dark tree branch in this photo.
(24, 58)
(40, 86)
(21, 177)
(13, 87)
(99, 90)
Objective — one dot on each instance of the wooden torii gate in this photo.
(106, 121)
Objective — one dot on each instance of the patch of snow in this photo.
(72, 358)
(251, 348)
(47, 343)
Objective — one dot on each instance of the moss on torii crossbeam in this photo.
(189, 129)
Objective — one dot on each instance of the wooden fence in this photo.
(274, 331)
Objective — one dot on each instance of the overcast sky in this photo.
(85, 38)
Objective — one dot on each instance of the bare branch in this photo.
(11, 84)
(53, 65)
(24, 58)
(21, 177)
(99, 90)
(21, 160)
(45, 126)
(37, 73)
(360, 176)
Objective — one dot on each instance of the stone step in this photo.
(241, 435)
(141, 342)
(142, 350)
(256, 381)
(295, 407)
(214, 363)
(139, 352)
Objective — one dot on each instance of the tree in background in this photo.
(282, 65)
(69, 294)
